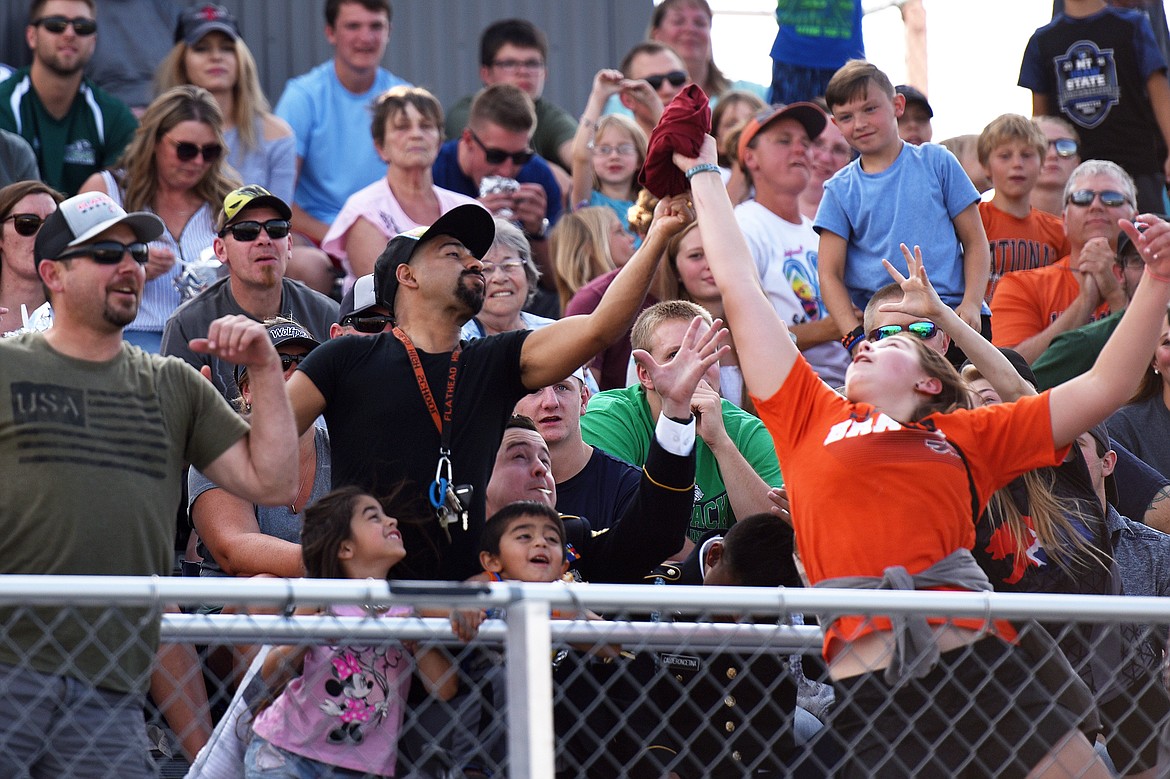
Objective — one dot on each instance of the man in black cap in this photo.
(253, 242)
(97, 432)
(361, 313)
(414, 405)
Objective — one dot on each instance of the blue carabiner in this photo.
(438, 492)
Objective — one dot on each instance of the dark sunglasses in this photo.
(924, 330)
(371, 323)
(250, 230)
(26, 224)
(57, 24)
(497, 156)
(676, 78)
(109, 252)
(289, 360)
(1065, 147)
(187, 151)
(1109, 198)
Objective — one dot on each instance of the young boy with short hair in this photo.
(1011, 150)
(894, 193)
(524, 541)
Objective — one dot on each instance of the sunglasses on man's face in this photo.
(676, 78)
(291, 360)
(1065, 147)
(1109, 198)
(250, 230)
(496, 156)
(371, 323)
(187, 151)
(26, 224)
(58, 24)
(924, 330)
(109, 252)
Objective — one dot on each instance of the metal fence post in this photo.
(530, 713)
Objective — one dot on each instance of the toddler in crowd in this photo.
(341, 716)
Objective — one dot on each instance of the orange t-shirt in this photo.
(1021, 244)
(1028, 301)
(868, 492)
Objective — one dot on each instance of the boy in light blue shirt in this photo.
(894, 193)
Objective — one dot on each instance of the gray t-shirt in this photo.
(275, 521)
(314, 311)
(91, 462)
(1144, 429)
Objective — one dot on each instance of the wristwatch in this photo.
(540, 236)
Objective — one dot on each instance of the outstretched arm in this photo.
(1085, 400)
(920, 299)
(553, 352)
(766, 352)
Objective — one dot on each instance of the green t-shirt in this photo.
(91, 456)
(1073, 352)
(618, 421)
(90, 137)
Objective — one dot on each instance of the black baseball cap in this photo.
(198, 20)
(913, 95)
(471, 224)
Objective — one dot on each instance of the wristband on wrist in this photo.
(852, 338)
(702, 167)
(1157, 276)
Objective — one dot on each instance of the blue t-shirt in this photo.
(332, 126)
(448, 175)
(914, 201)
(818, 34)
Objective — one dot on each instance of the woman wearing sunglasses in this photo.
(884, 483)
(23, 208)
(685, 26)
(175, 168)
(407, 131)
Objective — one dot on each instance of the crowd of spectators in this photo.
(679, 335)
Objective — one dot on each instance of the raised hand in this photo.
(919, 298)
(1151, 235)
(238, 339)
(676, 379)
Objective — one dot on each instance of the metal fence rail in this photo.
(698, 625)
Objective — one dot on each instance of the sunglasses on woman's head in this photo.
(26, 224)
(924, 330)
(676, 78)
(187, 151)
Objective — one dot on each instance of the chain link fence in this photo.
(583, 680)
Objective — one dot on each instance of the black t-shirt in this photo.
(604, 489)
(381, 432)
(1095, 71)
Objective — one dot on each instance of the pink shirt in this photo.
(378, 206)
(346, 708)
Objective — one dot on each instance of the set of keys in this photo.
(454, 508)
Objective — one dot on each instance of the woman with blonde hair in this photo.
(580, 249)
(210, 53)
(174, 167)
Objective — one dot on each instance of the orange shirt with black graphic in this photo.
(1017, 244)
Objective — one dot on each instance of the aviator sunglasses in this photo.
(924, 330)
(57, 24)
(109, 252)
(1109, 198)
(250, 230)
(26, 224)
(1065, 147)
(187, 151)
